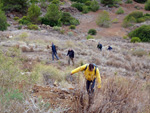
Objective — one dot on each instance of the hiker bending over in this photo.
(99, 46)
(109, 48)
(54, 52)
(91, 73)
(71, 56)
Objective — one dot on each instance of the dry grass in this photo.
(23, 35)
(27, 49)
(119, 95)
(70, 43)
(139, 52)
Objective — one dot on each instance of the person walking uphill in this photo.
(99, 46)
(54, 52)
(71, 56)
(91, 73)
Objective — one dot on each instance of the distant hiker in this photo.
(54, 52)
(71, 56)
(99, 46)
(91, 72)
(109, 48)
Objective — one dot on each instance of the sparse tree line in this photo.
(31, 9)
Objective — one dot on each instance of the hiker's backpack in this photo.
(94, 66)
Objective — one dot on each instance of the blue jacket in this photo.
(54, 48)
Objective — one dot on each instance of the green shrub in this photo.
(103, 19)
(110, 3)
(52, 16)
(142, 32)
(15, 5)
(120, 11)
(129, 22)
(129, 1)
(55, 1)
(74, 21)
(136, 14)
(56, 28)
(34, 1)
(137, 7)
(43, 4)
(62, 31)
(94, 6)
(79, 6)
(92, 32)
(139, 20)
(88, 3)
(34, 12)
(67, 19)
(147, 5)
(140, 1)
(89, 37)
(132, 18)
(32, 27)
(20, 27)
(125, 37)
(85, 9)
(9, 71)
(3, 21)
(70, 33)
(115, 20)
(13, 95)
(24, 20)
(72, 27)
(16, 18)
(135, 39)
(81, 1)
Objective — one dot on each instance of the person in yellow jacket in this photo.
(91, 73)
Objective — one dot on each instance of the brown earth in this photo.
(116, 29)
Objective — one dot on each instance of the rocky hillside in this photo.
(47, 86)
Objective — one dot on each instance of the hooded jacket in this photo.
(89, 75)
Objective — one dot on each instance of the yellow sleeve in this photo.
(81, 68)
(98, 77)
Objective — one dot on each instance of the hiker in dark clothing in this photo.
(71, 56)
(54, 52)
(99, 46)
(109, 48)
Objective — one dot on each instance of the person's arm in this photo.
(98, 78)
(81, 68)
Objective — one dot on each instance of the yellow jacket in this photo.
(89, 75)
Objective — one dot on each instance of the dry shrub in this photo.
(23, 35)
(116, 64)
(31, 49)
(70, 43)
(121, 95)
(60, 55)
(117, 95)
(139, 52)
(24, 49)
(48, 47)
(95, 60)
(27, 49)
(128, 58)
(17, 46)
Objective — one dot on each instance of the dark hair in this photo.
(91, 66)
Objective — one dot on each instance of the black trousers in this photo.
(90, 84)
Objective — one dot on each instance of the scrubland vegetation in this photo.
(31, 82)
